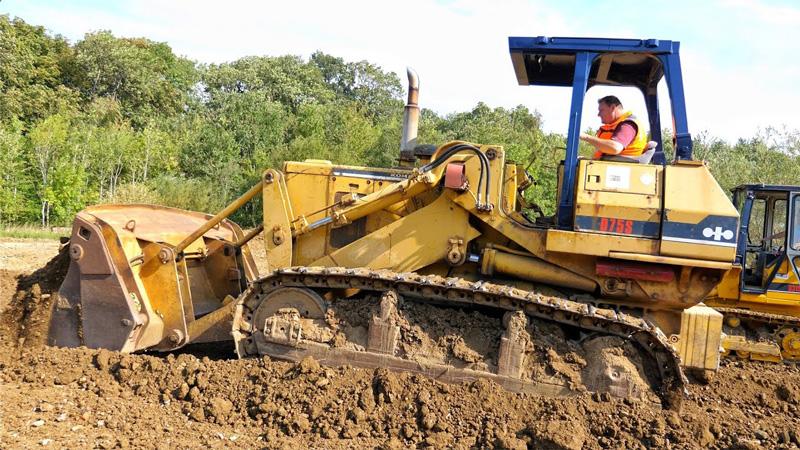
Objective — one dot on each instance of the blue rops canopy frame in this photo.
(586, 62)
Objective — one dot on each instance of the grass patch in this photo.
(30, 232)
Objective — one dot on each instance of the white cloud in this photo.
(738, 101)
(766, 13)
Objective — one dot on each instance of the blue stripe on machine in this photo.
(638, 227)
(784, 287)
(713, 230)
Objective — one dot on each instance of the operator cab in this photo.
(769, 240)
(582, 63)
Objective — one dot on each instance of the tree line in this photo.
(124, 120)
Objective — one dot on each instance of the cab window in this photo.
(777, 236)
(766, 239)
(755, 229)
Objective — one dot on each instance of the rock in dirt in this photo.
(747, 444)
(509, 442)
(68, 376)
(439, 440)
(703, 435)
(103, 359)
(788, 392)
(558, 435)
(197, 414)
(219, 408)
(386, 386)
(308, 366)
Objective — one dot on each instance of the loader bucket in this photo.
(127, 289)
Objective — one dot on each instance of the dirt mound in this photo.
(25, 320)
(80, 398)
(8, 286)
(83, 398)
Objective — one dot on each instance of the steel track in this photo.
(460, 292)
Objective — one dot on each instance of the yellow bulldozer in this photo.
(434, 266)
(760, 296)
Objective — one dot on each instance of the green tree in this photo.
(287, 80)
(51, 155)
(31, 72)
(336, 133)
(208, 152)
(14, 182)
(377, 92)
(158, 156)
(259, 126)
(146, 77)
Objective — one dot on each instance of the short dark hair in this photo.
(610, 100)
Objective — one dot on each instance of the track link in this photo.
(252, 339)
(785, 332)
(767, 318)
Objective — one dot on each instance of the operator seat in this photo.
(644, 158)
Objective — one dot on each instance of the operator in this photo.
(620, 134)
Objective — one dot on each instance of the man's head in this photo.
(609, 108)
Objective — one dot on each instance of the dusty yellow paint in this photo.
(278, 216)
(683, 262)
(700, 337)
(573, 242)
(321, 214)
(691, 194)
(407, 244)
(728, 294)
(622, 191)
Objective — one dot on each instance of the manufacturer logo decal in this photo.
(718, 233)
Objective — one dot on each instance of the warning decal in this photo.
(618, 177)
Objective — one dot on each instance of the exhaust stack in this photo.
(410, 121)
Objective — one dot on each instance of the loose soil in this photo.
(204, 398)
(18, 256)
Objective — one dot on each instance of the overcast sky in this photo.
(741, 58)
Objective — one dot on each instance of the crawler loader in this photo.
(434, 266)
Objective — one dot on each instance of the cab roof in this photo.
(766, 187)
(550, 61)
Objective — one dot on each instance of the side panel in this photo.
(410, 243)
(618, 198)
(699, 219)
(571, 242)
(781, 298)
(314, 186)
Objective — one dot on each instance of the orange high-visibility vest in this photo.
(637, 145)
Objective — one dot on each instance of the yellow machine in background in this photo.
(357, 254)
(760, 296)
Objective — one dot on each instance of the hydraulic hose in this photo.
(484, 160)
